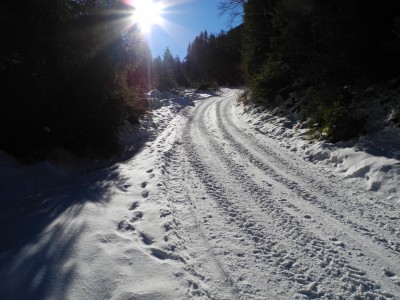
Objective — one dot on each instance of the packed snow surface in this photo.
(221, 202)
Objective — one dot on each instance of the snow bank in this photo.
(185, 98)
(370, 158)
(373, 159)
(164, 106)
(158, 99)
(18, 181)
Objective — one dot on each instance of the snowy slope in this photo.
(218, 206)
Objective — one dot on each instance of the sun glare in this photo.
(147, 13)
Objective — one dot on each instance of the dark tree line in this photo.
(70, 73)
(211, 60)
(336, 47)
(215, 58)
(168, 72)
(326, 41)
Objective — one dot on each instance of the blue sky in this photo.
(183, 21)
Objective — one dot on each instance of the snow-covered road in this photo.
(212, 209)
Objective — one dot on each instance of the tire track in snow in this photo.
(206, 279)
(216, 189)
(324, 260)
(381, 262)
(309, 193)
(324, 188)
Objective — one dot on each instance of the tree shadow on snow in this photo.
(36, 240)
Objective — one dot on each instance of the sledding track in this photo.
(256, 221)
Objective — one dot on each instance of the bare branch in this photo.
(231, 6)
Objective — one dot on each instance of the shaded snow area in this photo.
(20, 181)
(220, 202)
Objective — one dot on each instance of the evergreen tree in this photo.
(324, 44)
(166, 71)
(214, 58)
(180, 75)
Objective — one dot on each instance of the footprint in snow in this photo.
(167, 227)
(151, 174)
(125, 226)
(124, 187)
(134, 205)
(164, 213)
(389, 273)
(137, 216)
(163, 255)
(146, 239)
(143, 184)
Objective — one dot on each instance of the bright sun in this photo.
(147, 13)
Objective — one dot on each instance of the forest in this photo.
(72, 72)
